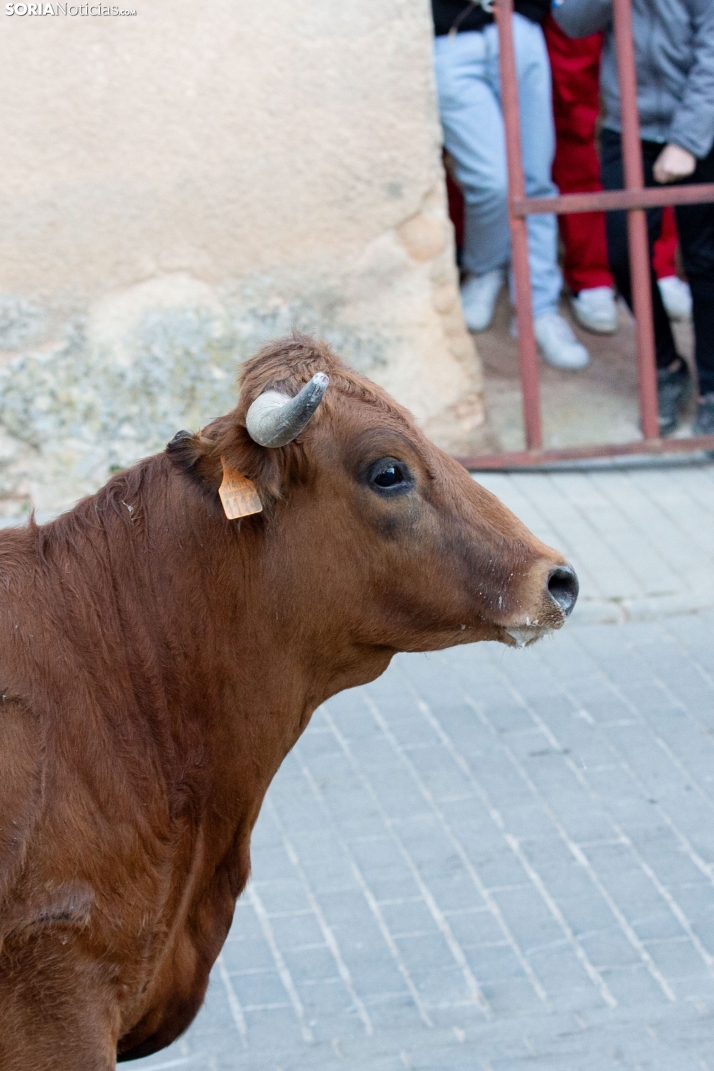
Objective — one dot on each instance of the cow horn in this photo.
(275, 419)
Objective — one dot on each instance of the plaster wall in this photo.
(181, 185)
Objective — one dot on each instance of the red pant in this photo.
(575, 66)
(665, 248)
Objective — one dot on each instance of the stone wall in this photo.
(181, 186)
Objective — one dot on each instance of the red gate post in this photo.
(640, 270)
(519, 233)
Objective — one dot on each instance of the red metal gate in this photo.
(635, 199)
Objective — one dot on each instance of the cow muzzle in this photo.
(556, 603)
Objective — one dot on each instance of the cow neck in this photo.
(215, 628)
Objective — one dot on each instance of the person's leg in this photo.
(575, 67)
(673, 378)
(473, 135)
(665, 248)
(696, 233)
(617, 244)
(676, 294)
(583, 233)
(555, 338)
(538, 148)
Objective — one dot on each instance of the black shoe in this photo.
(704, 424)
(673, 387)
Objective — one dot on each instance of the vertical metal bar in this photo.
(519, 233)
(636, 219)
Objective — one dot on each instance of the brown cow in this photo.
(159, 661)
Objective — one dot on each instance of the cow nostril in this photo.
(563, 587)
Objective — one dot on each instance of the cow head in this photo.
(366, 526)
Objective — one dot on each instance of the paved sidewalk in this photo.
(498, 860)
(488, 859)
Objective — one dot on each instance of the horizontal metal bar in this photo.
(530, 459)
(611, 200)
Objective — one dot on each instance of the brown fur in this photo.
(159, 661)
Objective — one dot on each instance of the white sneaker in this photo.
(558, 344)
(478, 298)
(677, 297)
(556, 341)
(595, 309)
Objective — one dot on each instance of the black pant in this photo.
(695, 224)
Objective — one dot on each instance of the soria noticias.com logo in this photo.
(67, 9)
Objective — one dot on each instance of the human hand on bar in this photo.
(674, 163)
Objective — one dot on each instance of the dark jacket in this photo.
(674, 57)
(468, 16)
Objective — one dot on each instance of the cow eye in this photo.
(391, 476)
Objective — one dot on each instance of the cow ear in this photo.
(193, 454)
(203, 456)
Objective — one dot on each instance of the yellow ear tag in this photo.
(238, 494)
